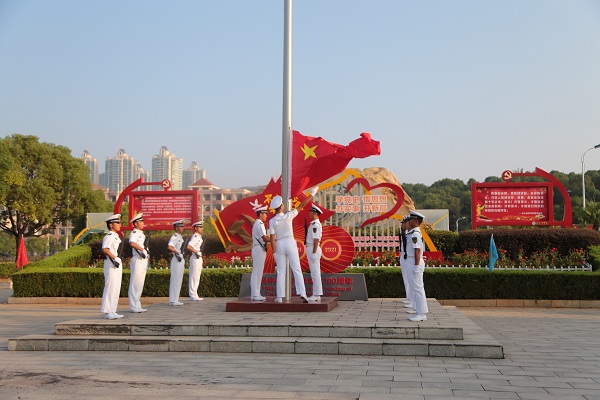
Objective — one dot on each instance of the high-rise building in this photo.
(165, 165)
(92, 165)
(139, 172)
(192, 174)
(120, 172)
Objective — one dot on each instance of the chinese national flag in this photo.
(315, 160)
(22, 254)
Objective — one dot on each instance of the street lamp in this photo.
(457, 222)
(583, 173)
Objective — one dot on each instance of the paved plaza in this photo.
(549, 353)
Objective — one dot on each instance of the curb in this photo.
(505, 303)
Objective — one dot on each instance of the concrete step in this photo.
(378, 327)
(246, 344)
(405, 330)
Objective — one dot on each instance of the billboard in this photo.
(518, 203)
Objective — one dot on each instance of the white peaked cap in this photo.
(180, 223)
(199, 223)
(114, 218)
(276, 202)
(415, 214)
(136, 218)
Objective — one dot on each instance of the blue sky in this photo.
(451, 89)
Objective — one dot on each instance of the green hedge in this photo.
(594, 257)
(444, 241)
(89, 282)
(528, 241)
(7, 269)
(464, 283)
(66, 275)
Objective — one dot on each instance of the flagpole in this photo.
(287, 122)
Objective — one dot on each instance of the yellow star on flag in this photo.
(308, 152)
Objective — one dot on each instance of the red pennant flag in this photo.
(22, 254)
(315, 160)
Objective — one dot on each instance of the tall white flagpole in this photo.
(287, 123)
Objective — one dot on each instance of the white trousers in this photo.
(177, 268)
(112, 287)
(418, 287)
(314, 262)
(195, 271)
(258, 266)
(138, 267)
(406, 278)
(287, 250)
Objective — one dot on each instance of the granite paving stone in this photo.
(544, 345)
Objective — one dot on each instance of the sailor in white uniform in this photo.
(113, 268)
(406, 269)
(259, 252)
(285, 247)
(177, 264)
(314, 252)
(138, 264)
(414, 251)
(195, 246)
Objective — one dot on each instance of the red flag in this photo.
(22, 254)
(315, 160)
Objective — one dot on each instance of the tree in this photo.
(591, 214)
(41, 185)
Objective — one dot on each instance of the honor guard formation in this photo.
(279, 235)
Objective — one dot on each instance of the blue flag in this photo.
(493, 254)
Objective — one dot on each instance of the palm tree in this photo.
(591, 214)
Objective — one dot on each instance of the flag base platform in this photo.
(377, 327)
(296, 304)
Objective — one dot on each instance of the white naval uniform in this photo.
(112, 275)
(414, 240)
(138, 265)
(315, 231)
(406, 270)
(195, 266)
(286, 250)
(177, 268)
(259, 255)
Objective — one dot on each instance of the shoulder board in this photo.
(134, 231)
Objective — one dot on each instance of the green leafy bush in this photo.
(444, 241)
(7, 269)
(528, 241)
(471, 283)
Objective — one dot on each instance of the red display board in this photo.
(518, 203)
(160, 208)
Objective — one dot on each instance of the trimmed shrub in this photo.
(528, 241)
(444, 241)
(7, 269)
(466, 283)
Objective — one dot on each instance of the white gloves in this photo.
(118, 262)
(145, 253)
(314, 191)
